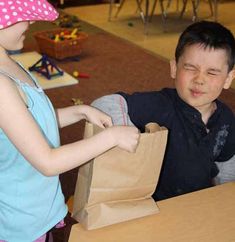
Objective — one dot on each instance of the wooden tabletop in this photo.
(204, 216)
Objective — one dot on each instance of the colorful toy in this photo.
(81, 75)
(57, 38)
(66, 35)
(46, 67)
(77, 101)
(67, 21)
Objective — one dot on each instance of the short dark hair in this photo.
(208, 34)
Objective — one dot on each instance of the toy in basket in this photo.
(60, 43)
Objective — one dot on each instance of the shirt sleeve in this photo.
(145, 107)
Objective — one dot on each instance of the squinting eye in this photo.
(189, 68)
(212, 73)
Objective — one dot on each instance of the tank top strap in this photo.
(18, 82)
(30, 75)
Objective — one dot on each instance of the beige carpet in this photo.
(159, 40)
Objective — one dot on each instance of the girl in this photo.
(31, 201)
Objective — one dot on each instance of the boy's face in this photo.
(200, 75)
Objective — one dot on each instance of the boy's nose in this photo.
(199, 79)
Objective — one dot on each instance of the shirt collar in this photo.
(194, 116)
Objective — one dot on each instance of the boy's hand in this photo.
(126, 137)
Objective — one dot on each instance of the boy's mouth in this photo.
(196, 93)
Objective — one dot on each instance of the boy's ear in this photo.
(229, 80)
(173, 68)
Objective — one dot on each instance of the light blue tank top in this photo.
(30, 203)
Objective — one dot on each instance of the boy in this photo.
(201, 128)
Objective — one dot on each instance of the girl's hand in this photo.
(97, 117)
(125, 137)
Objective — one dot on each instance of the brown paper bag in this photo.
(117, 185)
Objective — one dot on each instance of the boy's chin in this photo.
(201, 105)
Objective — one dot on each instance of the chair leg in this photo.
(119, 7)
(168, 4)
(110, 9)
(153, 10)
(137, 9)
(163, 9)
(142, 15)
(183, 8)
(146, 16)
(211, 7)
(164, 14)
(195, 4)
(215, 12)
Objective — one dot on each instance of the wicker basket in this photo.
(60, 49)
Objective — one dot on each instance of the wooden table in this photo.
(204, 216)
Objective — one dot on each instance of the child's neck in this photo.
(6, 63)
(207, 112)
(4, 57)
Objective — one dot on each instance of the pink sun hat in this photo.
(13, 11)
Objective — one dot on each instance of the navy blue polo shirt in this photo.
(192, 147)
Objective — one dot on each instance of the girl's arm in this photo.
(73, 114)
(18, 124)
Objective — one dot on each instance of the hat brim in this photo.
(26, 10)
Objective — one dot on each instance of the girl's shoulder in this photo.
(5, 79)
